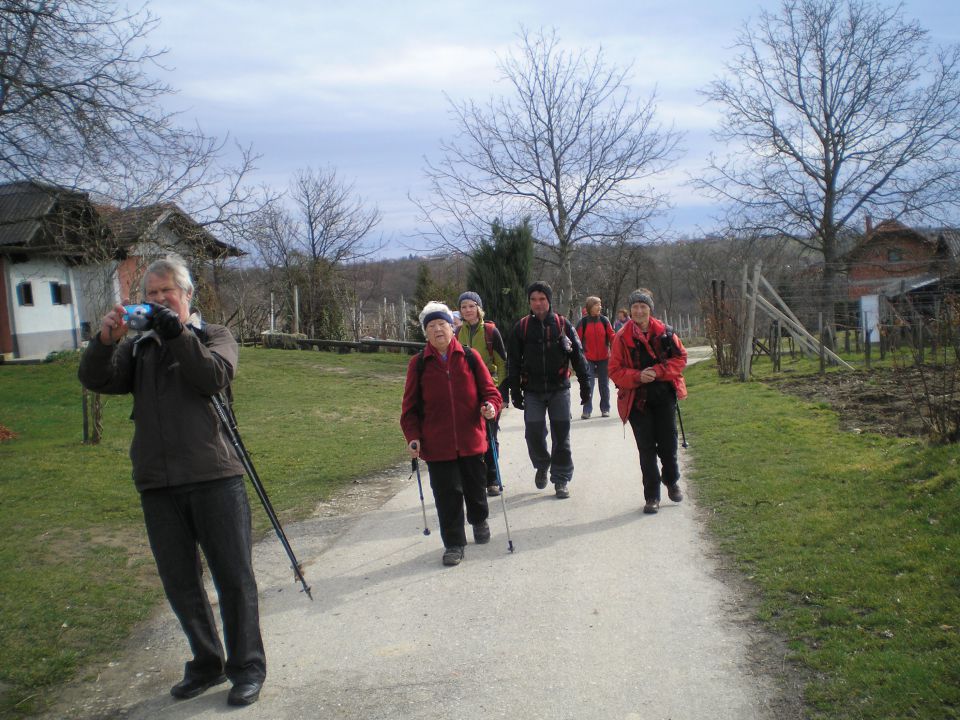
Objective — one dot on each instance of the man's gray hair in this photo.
(172, 267)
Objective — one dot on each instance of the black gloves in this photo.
(166, 322)
(517, 398)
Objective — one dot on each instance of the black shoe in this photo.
(541, 479)
(673, 492)
(493, 490)
(191, 687)
(453, 555)
(651, 507)
(481, 533)
(563, 492)
(244, 693)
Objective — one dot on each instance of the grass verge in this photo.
(852, 540)
(75, 567)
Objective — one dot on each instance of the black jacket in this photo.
(539, 355)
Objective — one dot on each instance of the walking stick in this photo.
(496, 464)
(415, 468)
(682, 433)
(230, 424)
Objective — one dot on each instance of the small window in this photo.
(894, 255)
(60, 293)
(25, 294)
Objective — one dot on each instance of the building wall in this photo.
(6, 336)
(44, 327)
(871, 267)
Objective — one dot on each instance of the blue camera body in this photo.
(138, 317)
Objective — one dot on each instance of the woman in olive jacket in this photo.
(646, 365)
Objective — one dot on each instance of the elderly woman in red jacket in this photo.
(646, 365)
(446, 399)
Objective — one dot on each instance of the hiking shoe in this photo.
(562, 490)
(541, 479)
(673, 492)
(605, 413)
(651, 507)
(481, 533)
(191, 687)
(453, 555)
(493, 490)
(585, 415)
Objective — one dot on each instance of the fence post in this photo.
(823, 356)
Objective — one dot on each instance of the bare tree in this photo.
(309, 237)
(567, 146)
(835, 108)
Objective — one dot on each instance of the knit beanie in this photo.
(469, 295)
(434, 310)
(640, 296)
(540, 286)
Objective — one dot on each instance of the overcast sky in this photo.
(361, 85)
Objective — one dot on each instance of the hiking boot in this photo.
(493, 490)
(562, 490)
(605, 413)
(481, 533)
(651, 507)
(673, 492)
(453, 555)
(585, 415)
(541, 479)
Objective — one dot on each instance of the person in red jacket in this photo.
(646, 365)
(445, 402)
(596, 335)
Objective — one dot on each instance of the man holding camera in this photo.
(188, 475)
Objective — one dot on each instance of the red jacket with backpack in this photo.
(669, 366)
(442, 401)
(596, 335)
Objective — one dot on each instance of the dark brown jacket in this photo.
(177, 437)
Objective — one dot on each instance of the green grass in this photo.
(853, 542)
(75, 568)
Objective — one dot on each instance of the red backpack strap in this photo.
(488, 337)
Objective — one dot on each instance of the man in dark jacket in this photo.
(189, 477)
(540, 350)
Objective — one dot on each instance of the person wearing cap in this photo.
(541, 347)
(646, 365)
(485, 339)
(446, 399)
(596, 335)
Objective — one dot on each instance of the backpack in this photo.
(525, 321)
(583, 322)
(488, 327)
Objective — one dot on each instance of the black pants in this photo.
(494, 428)
(455, 483)
(214, 516)
(655, 430)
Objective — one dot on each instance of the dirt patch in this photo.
(879, 401)
(7, 434)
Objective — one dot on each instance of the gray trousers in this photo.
(537, 408)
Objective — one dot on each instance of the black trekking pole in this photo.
(496, 464)
(230, 424)
(415, 468)
(682, 433)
